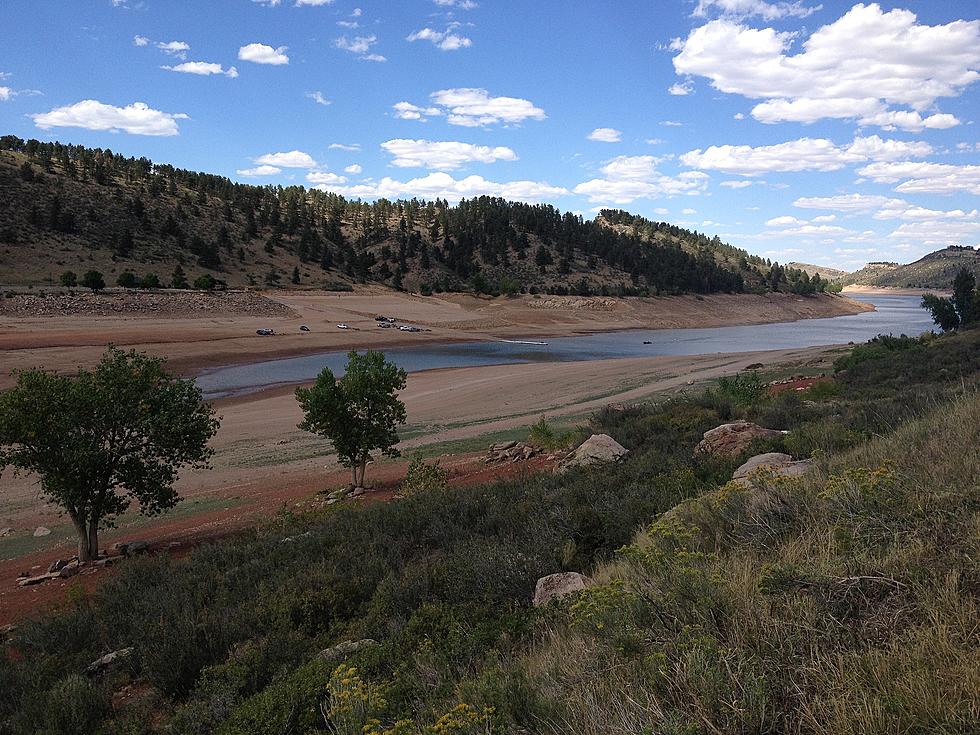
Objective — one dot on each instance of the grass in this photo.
(844, 602)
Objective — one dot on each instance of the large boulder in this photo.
(730, 440)
(597, 449)
(781, 465)
(555, 586)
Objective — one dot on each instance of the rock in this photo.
(57, 565)
(782, 465)
(110, 660)
(31, 581)
(559, 585)
(503, 446)
(128, 548)
(347, 648)
(732, 439)
(70, 569)
(4, 532)
(597, 449)
(7, 630)
(41, 531)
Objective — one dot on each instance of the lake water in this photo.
(894, 315)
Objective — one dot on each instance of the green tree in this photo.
(295, 277)
(205, 282)
(127, 279)
(359, 413)
(943, 311)
(69, 279)
(179, 278)
(150, 280)
(105, 437)
(93, 280)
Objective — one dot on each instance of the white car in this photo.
(343, 326)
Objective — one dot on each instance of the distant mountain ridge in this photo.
(935, 270)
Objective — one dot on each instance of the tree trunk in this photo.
(83, 540)
(93, 539)
(363, 469)
(353, 476)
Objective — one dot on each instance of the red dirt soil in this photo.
(180, 536)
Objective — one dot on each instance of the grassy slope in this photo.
(935, 270)
(843, 603)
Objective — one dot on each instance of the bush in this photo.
(421, 477)
(127, 279)
(151, 280)
(93, 280)
(69, 279)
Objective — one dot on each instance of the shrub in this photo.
(422, 476)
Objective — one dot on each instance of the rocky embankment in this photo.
(164, 304)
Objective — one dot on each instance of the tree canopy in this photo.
(360, 412)
(962, 309)
(101, 439)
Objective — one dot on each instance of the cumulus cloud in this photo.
(680, 89)
(858, 67)
(174, 48)
(260, 53)
(202, 68)
(318, 98)
(323, 178)
(745, 8)
(353, 169)
(443, 186)
(924, 177)
(140, 40)
(259, 171)
(605, 135)
(137, 118)
(804, 154)
(6, 93)
(461, 4)
(628, 178)
(471, 107)
(443, 155)
(446, 40)
(289, 159)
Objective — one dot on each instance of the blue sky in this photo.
(832, 133)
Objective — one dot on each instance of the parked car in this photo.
(265, 332)
(304, 328)
(343, 326)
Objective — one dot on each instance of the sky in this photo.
(831, 133)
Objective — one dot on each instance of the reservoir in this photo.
(894, 315)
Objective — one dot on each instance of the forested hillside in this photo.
(70, 208)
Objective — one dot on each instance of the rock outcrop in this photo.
(556, 586)
(730, 440)
(781, 465)
(597, 449)
(347, 648)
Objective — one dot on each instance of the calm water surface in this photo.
(894, 315)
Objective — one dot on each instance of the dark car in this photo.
(304, 328)
(264, 332)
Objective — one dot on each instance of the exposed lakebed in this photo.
(894, 315)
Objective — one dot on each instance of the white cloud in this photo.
(628, 178)
(804, 154)
(6, 93)
(857, 203)
(140, 40)
(445, 40)
(259, 53)
(353, 147)
(290, 159)
(925, 177)
(352, 24)
(783, 221)
(444, 186)
(745, 8)
(740, 184)
(353, 169)
(137, 118)
(315, 3)
(671, 123)
(443, 155)
(680, 89)
(359, 45)
(202, 68)
(322, 178)
(471, 107)
(174, 48)
(857, 67)
(318, 98)
(259, 171)
(606, 135)
(461, 4)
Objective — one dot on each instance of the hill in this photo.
(66, 207)
(935, 270)
(832, 274)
